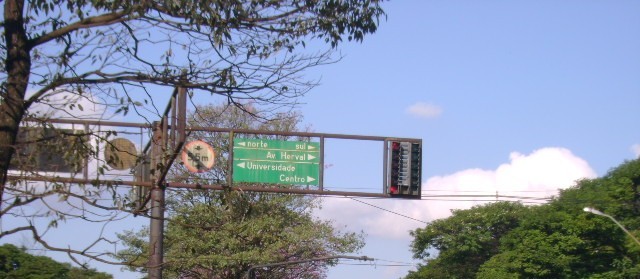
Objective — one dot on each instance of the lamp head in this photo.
(593, 210)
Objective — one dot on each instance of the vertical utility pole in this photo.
(166, 143)
(156, 234)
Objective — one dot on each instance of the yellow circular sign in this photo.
(120, 154)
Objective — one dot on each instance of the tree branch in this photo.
(100, 20)
(18, 229)
(71, 252)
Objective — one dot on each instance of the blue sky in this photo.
(514, 97)
(520, 96)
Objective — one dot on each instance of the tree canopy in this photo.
(465, 240)
(16, 263)
(221, 234)
(554, 240)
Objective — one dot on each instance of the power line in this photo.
(539, 200)
(387, 210)
(377, 263)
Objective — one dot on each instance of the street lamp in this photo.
(598, 212)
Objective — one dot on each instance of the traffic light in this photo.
(415, 187)
(404, 169)
(394, 168)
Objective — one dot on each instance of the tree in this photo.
(553, 244)
(221, 234)
(555, 240)
(114, 54)
(16, 263)
(561, 241)
(465, 240)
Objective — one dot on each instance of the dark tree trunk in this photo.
(18, 67)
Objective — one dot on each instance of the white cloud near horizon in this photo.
(424, 110)
(636, 150)
(536, 175)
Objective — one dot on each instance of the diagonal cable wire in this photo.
(387, 210)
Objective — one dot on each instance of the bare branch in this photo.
(19, 229)
(71, 252)
(100, 20)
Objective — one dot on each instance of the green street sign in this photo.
(276, 161)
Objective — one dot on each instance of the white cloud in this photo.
(636, 150)
(525, 177)
(424, 110)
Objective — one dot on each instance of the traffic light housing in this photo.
(404, 169)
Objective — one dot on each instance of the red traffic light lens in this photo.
(393, 189)
(395, 145)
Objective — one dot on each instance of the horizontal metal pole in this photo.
(228, 130)
(276, 190)
(202, 186)
(91, 122)
(301, 134)
(79, 180)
